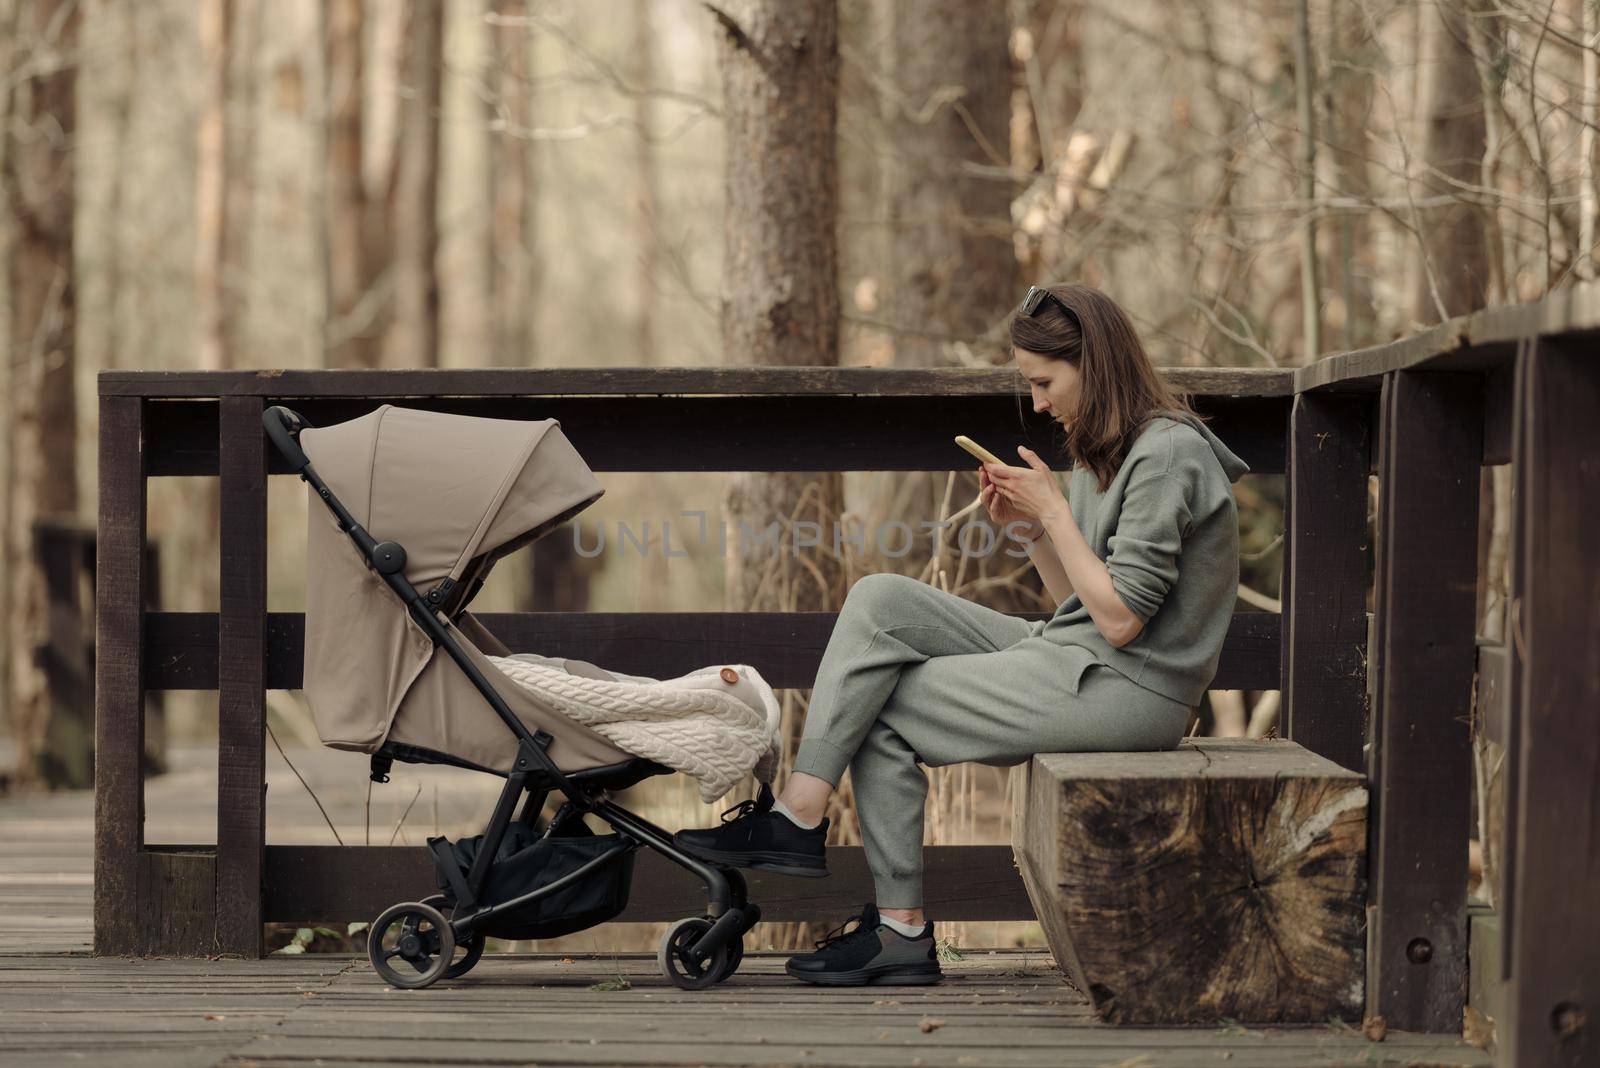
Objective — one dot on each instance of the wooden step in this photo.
(1222, 880)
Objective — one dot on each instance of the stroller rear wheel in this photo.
(469, 948)
(419, 938)
(685, 973)
(463, 963)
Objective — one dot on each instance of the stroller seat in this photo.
(618, 776)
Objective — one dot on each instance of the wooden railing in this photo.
(1424, 414)
(64, 550)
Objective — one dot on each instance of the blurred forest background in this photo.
(398, 183)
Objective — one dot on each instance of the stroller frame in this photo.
(696, 952)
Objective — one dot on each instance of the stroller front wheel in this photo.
(474, 949)
(411, 945)
(683, 972)
(471, 947)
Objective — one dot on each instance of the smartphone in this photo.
(978, 450)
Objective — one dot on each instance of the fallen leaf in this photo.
(1374, 1027)
(215, 1016)
(928, 1023)
(1477, 1027)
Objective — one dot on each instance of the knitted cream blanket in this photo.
(701, 723)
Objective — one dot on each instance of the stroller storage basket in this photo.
(526, 862)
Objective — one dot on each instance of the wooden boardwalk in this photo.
(60, 1005)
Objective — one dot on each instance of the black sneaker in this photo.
(757, 837)
(871, 953)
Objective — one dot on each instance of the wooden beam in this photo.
(119, 900)
(341, 884)
(242, 679)
(743, 433)
(178, 908)
(1430, 445)
(1324, 680)
(786, 647)
(1552, 929)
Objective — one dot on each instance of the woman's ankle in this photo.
(911, 917)
(806, 796)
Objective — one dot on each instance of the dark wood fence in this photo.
(64, 550)
(1513, 385)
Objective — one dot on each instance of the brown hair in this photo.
(1121, 390)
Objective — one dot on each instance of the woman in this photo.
(1142, 555)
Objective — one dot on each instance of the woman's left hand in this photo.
(1033, 490)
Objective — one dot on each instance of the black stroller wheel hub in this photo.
(416, 933)
(688, 969)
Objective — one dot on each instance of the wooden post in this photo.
(119, 678)
(1551, 929)
(241, 677)
(1325, 577)
(1429, 451)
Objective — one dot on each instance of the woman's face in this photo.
(1055, 384)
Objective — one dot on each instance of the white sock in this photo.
(900, 927)
(779, 806)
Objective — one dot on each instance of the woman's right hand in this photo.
(1002, 511)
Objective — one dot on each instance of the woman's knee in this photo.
(875, 592)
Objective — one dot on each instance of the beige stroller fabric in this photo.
(457, 492)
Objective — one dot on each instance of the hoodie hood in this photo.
(1232, 466)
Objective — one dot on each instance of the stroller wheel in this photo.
(469, 950)
(735, 955)
(675, 964)
(463, 963)
(411, 945)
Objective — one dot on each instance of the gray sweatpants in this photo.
(913, 674)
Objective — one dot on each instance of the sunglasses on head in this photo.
(1035, 299)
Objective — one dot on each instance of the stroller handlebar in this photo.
(283, 427)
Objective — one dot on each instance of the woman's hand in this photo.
(1002, 511)
(1031, 493)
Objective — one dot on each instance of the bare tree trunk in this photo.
(953, 269)
(1455, 265)
(953, 265)
(645, 179)
(1305, 79)
(780, 71)
(780, 307)
(122, 121)
(42, 420)
(1349, 87)
(352, 339)
(416, 193)
(230, 32)
(512, 277)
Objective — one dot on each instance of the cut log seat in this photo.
(1222, 880)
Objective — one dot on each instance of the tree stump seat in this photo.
(1225, 879)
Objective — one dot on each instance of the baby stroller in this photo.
(395, 666)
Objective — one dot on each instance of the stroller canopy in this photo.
(456, 492)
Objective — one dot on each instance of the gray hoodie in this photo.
(1168, 530)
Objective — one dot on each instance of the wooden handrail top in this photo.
(647, 381)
